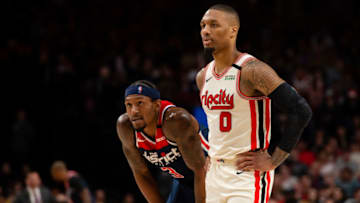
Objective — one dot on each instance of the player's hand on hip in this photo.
(251, 161)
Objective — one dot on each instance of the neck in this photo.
(225, 58)
(151, 128)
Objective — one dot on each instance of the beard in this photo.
(140, 129)
(208, 51)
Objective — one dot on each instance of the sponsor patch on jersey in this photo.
(230, 77)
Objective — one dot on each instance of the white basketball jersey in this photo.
(237, 123)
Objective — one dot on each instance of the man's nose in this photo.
(205, 31)
(134, 110)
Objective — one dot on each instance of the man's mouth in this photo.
(207, 41)
(136, 119)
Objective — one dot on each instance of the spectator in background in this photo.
(100, 196)
(14, 190)
(356, 198)
(75, 186)
(128, 198)
(34, 191)
(6, 178)
(347, 182)
(23, 137)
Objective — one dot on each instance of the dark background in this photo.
(66, 63)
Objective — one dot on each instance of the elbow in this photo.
(305, 111)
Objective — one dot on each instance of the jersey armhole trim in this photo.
(241, 94)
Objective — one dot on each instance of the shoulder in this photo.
(253, 64)
(179, 119)
(123, 127)
(123, 120)
(260, 76)
(177, 115)
(200, 77)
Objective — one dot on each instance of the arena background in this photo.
(66, 63)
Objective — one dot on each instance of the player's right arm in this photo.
(142, 175)
(200, 77)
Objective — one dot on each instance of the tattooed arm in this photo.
(142, 175)
(262, 78)
(181, 127)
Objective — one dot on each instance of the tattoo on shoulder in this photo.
(258, 80)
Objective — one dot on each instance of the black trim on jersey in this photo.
(236, 66)
(263, 195)
(261, 123)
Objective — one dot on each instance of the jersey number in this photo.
(172, 172)
(225, 121)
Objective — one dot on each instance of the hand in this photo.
(250, 161)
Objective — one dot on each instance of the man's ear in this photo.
(234, 31)
(157, 104)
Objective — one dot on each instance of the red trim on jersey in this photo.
(253, 124)
(267, 121)
(163, 106)
(219, 76)
(246, 60)
(268, 186)
(143, 142)
(160, 140)
(163, 141)
(204, 143)
(241, 94)
(257, 186)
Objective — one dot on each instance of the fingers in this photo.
(249, 168)
(246, 154)
(244, 166)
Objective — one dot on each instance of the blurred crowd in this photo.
(69, 62)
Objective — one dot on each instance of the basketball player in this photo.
(237, 91)
(157, 132)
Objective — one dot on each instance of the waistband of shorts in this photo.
(230, 162)
(227, 161)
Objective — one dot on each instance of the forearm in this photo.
(199, 186)
(148, 188)
(298, 113)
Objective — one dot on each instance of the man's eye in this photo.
(140, 102)
(128, 105)
(213, 24)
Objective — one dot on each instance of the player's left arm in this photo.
(181, 127)
(264, 79)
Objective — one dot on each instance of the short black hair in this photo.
(145, 83)
(227, 9)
